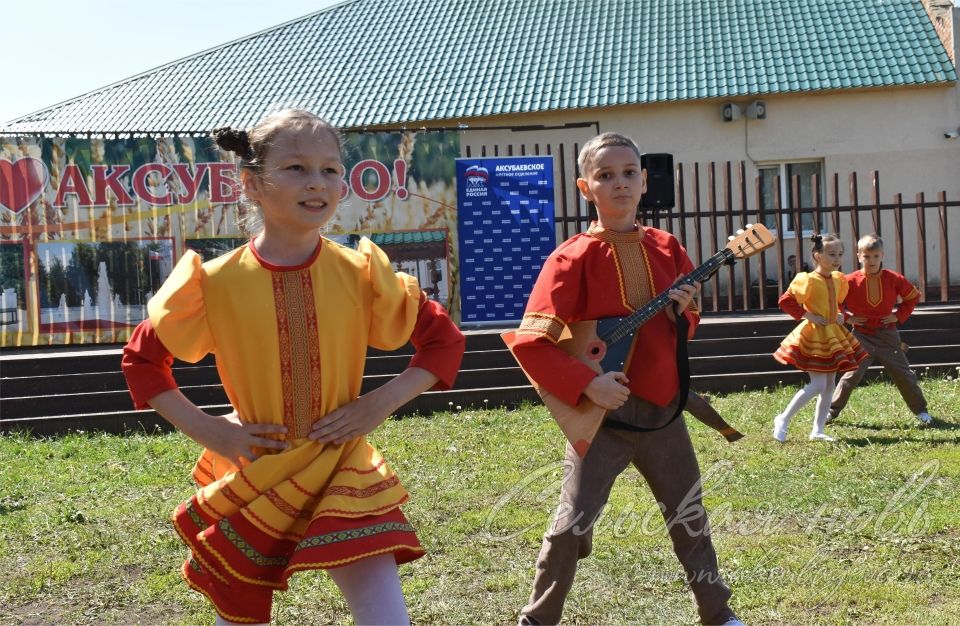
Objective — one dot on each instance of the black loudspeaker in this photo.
(660, 183)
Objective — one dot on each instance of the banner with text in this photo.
(505, 209)
(90, 228)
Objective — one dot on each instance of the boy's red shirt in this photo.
(875, 297)
(601, 274)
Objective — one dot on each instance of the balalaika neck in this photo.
(651, 308)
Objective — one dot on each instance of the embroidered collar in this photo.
(611, 236)
(284, 268)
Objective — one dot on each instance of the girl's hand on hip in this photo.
(232, 438)
(350, 421)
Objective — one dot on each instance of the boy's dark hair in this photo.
(870, 242)
(598, 143)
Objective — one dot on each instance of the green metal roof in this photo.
(392, 62)
(409, 237)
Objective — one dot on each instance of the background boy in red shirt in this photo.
(870, 305)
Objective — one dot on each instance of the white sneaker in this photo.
(779, 429)
(924, 418)
(733, 621)
(821, 437)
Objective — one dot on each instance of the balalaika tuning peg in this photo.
(740, 231)
(748, 226)
(731, 238)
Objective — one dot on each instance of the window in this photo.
(805, 171)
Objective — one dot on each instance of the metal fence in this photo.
(714, 199)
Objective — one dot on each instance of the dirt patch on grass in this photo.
(83, 601)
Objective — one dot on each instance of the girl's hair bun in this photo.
(233, 140)
(817, 240)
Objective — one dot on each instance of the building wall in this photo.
(899, 133)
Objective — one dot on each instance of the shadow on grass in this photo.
(913, 425)
(863, 442)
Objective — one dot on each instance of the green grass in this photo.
(865, 530)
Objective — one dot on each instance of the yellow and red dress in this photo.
(813, 347)
(290, 346)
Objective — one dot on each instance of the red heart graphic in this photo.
(21, 182)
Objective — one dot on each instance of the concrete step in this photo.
(116, 398)
(748, 363)
(739, 381)
(81, 387)
(714, 355)
(120, 422)
(754, 343)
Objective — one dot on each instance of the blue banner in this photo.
(505, 209)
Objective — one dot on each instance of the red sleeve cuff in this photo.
(553, 369)
(905, 310)
(147, 365)
(439, 344)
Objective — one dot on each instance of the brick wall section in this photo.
(943, 15)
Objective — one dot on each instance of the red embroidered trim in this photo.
(351, 513)
(373, 489)
(232, 496)
(285, 507)
(357, 470)
(299, 350)
(301, 489)
(249, 484)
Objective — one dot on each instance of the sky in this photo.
(55, 50)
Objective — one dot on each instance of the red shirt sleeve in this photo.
(553, 303)
(789, 305)
(905, 309)
(910, 297)
(147, 365)
(439, 344)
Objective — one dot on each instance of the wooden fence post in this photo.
(744, 220)
(944, 248)
(898, 225)
(854, 209)
(875, 190)
(728, 211)
(921, 242)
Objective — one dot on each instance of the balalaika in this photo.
(604, 345)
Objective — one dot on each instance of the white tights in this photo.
(371, 587)
(821, 386)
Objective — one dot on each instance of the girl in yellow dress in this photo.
(820, 345)
(287, 481)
